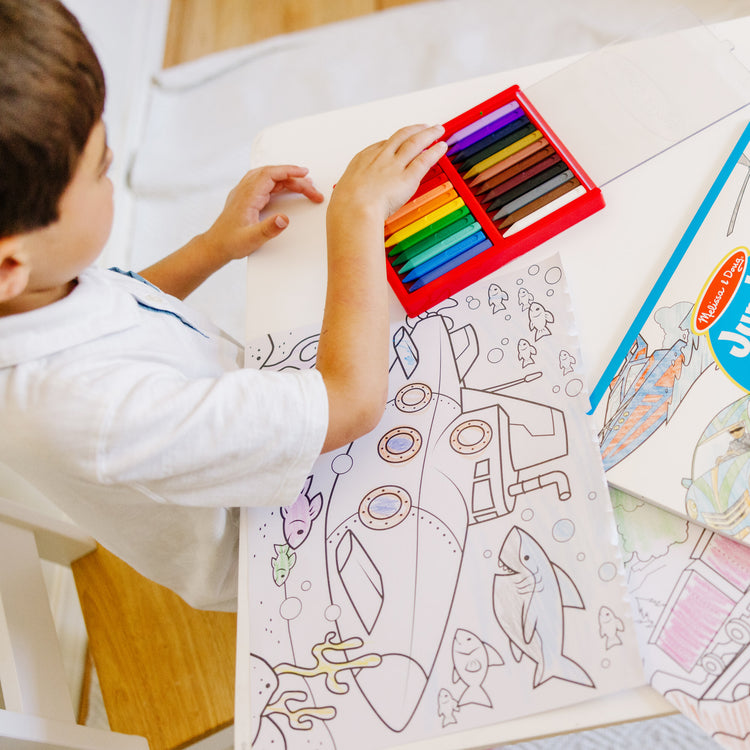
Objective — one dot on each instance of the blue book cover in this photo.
(672, 405)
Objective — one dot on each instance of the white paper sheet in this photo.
(457, 566)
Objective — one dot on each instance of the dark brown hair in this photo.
(51, 96)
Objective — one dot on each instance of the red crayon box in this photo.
(506, 184)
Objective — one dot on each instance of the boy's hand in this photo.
(385, 175)
(239, 231)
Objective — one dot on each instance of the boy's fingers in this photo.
(304, 187)
(402, 135)
(279, 177)
(415, 139)
(426, 158)
(281, 172)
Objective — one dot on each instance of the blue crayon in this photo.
(430, 241)
(451, 264)
(438, 260)
(461, 233)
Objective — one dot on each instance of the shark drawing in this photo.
(529, 596)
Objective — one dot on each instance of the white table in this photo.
(610, 261)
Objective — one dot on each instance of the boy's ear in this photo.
(14, 271)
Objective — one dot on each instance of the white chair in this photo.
(36, 710)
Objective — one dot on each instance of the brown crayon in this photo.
(520, 178)
(514, 169)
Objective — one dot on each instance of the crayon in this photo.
(480, 156)
(541, 207)
(501, 122)
(506, 196)
(463, 154)
(428, 183)
(424, 221)
(428, 231)
(420, 206)
(434, 177)
(520, 178)
(532, 195)
(433, 171)
(509, 161)
(441, 258)
(503, 154)
(511, 171)
(442, 233)
(481, 122)
(450, 265)
(461, 234)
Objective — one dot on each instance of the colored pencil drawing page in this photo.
(690, 589)
(458, 565)
(675, 425)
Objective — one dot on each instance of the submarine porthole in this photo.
(413, 397)
(399, 444)
(471, 436)
(384, 507)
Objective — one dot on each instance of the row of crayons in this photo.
(513, 172)
(512, 169)
(433, 233)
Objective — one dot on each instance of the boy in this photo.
(119, 402)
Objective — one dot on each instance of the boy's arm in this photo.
(353, 348)
(237, 232)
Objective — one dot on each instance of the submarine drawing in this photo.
(445, 456)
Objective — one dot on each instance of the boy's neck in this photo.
(32, 300)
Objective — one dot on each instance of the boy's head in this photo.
(55, 196)
(51, 96)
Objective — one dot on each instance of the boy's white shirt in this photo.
(129, 410)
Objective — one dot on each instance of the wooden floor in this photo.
(197, 27)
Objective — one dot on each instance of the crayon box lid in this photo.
(619, 106)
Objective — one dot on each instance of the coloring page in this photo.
(690, 590)
(458, 565)
(674, 423)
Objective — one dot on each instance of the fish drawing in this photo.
(447, 707)
(299, 516)
(610, 627)
(567, 361)
(471, 660)
(283, 563)
(539, 320)
(496, 297)
(529, 596)
(525, 298)
(526, 352)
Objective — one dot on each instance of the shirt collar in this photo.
(97, 306)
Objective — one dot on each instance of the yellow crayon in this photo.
(425, 221)
(503, 153)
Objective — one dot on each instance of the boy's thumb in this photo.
(258, 234)
(274, 225)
